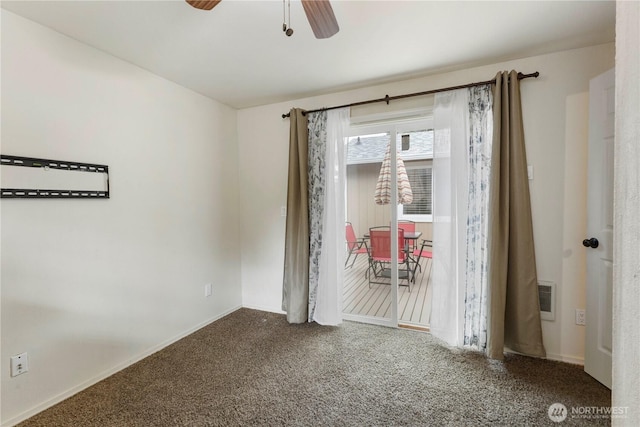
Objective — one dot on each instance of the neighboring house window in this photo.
(420, 210)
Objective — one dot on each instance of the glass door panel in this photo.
(368, 289)
(378, 290)
(414, 143)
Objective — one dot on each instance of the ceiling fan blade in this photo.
(203, 4)
(321, 18)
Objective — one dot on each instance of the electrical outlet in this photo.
(19, 364)
(580, 316)
(207, 290)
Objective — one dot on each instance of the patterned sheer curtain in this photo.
(479, 173)
(327, 174)
(461, 167)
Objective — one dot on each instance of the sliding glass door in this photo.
(376, 289)
(367, 293)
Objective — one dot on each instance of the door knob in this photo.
(590, 243)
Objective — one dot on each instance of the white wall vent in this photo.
(547, 297)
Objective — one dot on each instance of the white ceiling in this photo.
(238, 54)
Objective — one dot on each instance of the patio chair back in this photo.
(380, 244)
(424, 251)
(408, 227)
(352, 240)
(355, 246)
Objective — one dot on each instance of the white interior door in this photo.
(599, 239)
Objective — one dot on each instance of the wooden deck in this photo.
(414, 308)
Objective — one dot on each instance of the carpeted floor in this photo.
(252, 368)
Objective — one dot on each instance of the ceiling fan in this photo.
(319, 14)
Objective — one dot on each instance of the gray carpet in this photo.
(252, 368)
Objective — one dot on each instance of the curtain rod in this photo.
(388, 98)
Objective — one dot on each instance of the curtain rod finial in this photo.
(524, 76)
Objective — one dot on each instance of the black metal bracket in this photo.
(31, 162)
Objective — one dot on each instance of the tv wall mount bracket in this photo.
(31, 162)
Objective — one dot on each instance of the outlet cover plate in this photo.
(19, 364)
(207, 290)
(580, 317)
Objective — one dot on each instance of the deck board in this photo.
(414, 308)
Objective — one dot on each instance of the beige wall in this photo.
(564, 79)
(91, 286)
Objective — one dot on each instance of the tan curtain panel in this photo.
(295, 286)
(514, 307)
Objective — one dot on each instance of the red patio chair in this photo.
(354, 245)
(425, 251)
(380, 255)
(408, 227)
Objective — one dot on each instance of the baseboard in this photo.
(380, 321)
(413, 327)
(264, 308)
(574, 360)
(74, 390)
(557, 357)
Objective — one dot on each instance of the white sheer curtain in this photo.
(328, 296)
(450, 184)
(461, 175)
